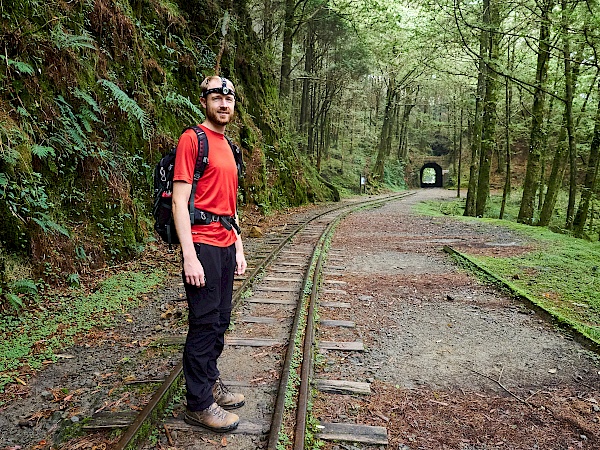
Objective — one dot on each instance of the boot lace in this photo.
(217, 411)
(221, 389)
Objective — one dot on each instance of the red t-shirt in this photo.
(217, 188)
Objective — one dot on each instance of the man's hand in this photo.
(240, 263)
(194, 272)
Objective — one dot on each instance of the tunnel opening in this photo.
(431, 175)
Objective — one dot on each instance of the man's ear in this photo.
(203, 102)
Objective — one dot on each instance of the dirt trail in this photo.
(455, 364)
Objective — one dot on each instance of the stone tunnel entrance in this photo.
(431, 175)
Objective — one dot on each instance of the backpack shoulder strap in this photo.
(201, 163)
(202, 159)
(237, 154)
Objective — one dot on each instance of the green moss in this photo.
(21, 336)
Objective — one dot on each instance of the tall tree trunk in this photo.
(536, 139)
(460, 145)
(488, 125)
(589, 183)
(286, 53)
(558, 164)
(305, 107)
(507, 158)
(477, 123)
(402, 154)
(383, 149)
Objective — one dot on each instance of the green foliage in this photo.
(184, 107)
(63, 41)
(129, 106)
(21, 67)
(41, 328)
(393, 174)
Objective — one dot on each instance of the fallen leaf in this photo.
(224, 441)
(18, 380)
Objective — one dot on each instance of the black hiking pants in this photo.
(209, 316)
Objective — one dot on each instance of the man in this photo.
(212, 253)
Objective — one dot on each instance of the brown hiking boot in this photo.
(225, 398)
(213, 418)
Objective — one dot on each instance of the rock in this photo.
(255, 232)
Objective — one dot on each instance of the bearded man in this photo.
(212, 254)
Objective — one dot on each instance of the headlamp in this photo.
(223, 89)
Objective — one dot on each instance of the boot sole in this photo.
(233, 406)
(191, 421)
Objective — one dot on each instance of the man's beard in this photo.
(212, 114)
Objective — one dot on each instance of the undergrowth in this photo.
(31, 339)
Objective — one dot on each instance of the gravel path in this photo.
(454, 363)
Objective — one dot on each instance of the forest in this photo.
(93, 92)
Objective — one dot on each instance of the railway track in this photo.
(275, 305)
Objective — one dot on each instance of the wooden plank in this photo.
(283, 279)
(337, 323)
(283, 270)
(335, 291)
(271, 301)
(332, 274)
(275, 289)
(247, 342)
(267, 320)
(246, 426)
(341, 283)
(343, 387)
(345, 346)
(335, 267)
(106, 420)
(335, 304)
(350, 432)
(291, 264)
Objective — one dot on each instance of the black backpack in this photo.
(163, 189)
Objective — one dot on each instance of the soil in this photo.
(453, 362)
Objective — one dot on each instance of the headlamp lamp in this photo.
(223, 89)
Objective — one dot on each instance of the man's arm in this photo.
(193, 270)
(240, 259)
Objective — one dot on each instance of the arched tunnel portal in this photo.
(431, 175)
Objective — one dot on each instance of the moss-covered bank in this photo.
(92, 92)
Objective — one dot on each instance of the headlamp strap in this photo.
(223, 89)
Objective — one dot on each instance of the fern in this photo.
(14, 301)
(49, 225)
(88, 99)
(130, 107)
(63, 41)
(18, 287)
(19, 66)
(24, 287)
(41, 151)
(67, 111)
(184, 106)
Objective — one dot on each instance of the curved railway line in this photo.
(274, 305)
